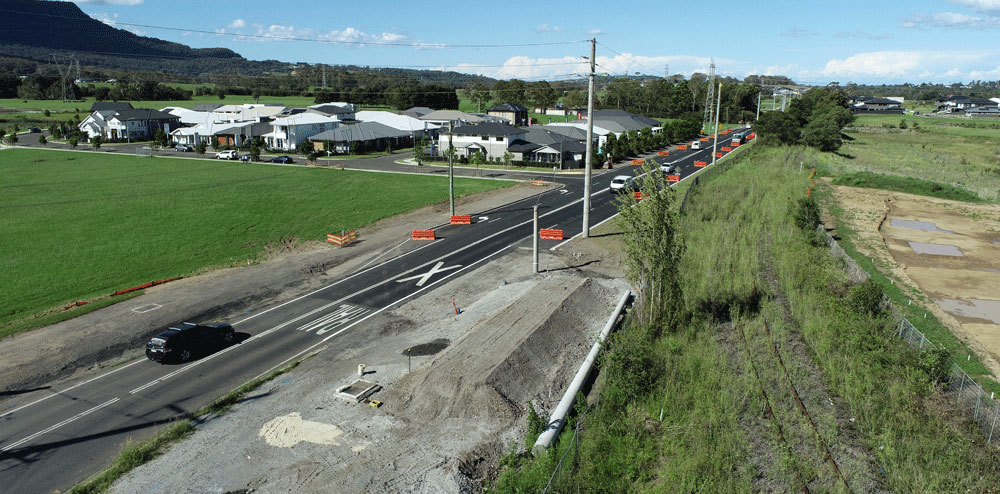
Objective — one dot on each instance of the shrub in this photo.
(536, 424)
(866, 298)
(936, 362)
(807, 214)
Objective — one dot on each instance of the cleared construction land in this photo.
(79, 226)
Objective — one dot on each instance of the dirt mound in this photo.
(506, 359)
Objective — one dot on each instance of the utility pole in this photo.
(451, 171)
(534, 241)
(706, 120)
(590, 142)
(758, 106)
(716, 141)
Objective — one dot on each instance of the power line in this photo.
(653, 71)
(315, 40)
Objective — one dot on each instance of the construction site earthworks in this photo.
(939, 251)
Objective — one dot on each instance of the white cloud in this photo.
(523, 67)
(109, 2)
(861, 33)
(595, 31)
(795, 32)
(237, 24)
(985, 6)
(903, 65)
(280, 32)
(952, 20)
(545, 28)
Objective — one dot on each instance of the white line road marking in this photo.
(60, 424)
(142, 309)
(57, 393)
(345, 314)
(426, 276)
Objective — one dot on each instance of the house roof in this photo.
(395, 120)
(881, 101)
(329, 109)
(110, 106)
(621, 121)
(443, 115)
(555, 140)
(304, 118)
(206, 107)
(520, 146)
(144, 114)
(488, 129)
(364, 131)
(418, 111)
(570, 131)
(508, 107)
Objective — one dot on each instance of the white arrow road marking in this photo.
(426, 276)
(563, 191)
(484, 218)
(343, 315)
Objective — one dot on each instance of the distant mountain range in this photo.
(34, 30)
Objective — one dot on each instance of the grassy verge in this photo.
(909, 185)
(63, 315)
(79, 226)
(134, 455)
(746, 263)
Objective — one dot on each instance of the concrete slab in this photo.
(358, 390)
(926, 226)
(935, 249)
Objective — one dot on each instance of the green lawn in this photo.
(82, 225)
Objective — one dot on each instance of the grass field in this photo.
(909, 185)
(956, 151)
(683, 410)
(82, 225)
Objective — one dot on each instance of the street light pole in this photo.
(716, 141)
(590, 143)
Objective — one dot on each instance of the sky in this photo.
(872, 42)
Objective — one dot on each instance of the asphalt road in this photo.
(50, 439)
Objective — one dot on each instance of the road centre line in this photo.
(60, 424)
(58, 393)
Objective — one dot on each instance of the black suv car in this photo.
(179, 343)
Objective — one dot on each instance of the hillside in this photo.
(31, 31)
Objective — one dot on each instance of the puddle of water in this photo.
(974, 308)
(935, 249)
(926, 226)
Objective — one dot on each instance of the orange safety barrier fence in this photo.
(682, 146)
(638, 162)
(145, 286)
(639, 195)
(700, 164)
(342, 239)
(461, 219)
(703, 139)
(537, 181)
(663, 153)
(550, 234)
(718, 155)
(673, 178)
(423, 235)
(726, 149)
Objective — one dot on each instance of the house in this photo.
(110, 106)
(364, 136)
(490, 138)
(135, 124)
(877, 105)
(417, 111)
(961, 103)
(516, 114)
(983, 112)
(415, 127)
(206, 107)
(291, 131)
(548, 146)
(574, 129)
(453, 117)
(240, 134)
(621, 121)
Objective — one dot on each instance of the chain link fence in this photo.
(970, 397)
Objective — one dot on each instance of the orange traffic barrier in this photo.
(673, 178)
(423, 235)
(682, 146)
(639, 195)
(663, 153)
(711, 136)
(718, 155)
(701, 164)
(735, 144)
(537, 181)
(726, 149)
(703, 139)
(343, 239)
(461, 219)
(550, 234)
(638, 162)
(142, 286)
(724, 132)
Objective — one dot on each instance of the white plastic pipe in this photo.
(558, 418)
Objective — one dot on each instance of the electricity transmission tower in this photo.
(65, 75)
(710, 96)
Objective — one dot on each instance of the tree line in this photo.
(815, 119)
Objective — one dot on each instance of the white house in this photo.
(290, 132)
(492, 139)
(416, 127)
(139, 123)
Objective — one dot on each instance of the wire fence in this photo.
(970, 397)
(574, 448)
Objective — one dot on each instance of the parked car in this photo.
(34, 130)
(623, 183)
(282, 159)
(246, 158)
(695, 144)
(180, 343)
(227, 155)
(184, 148)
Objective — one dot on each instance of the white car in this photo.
(227, 155)
(695, 144)
(622, 183)
(670, 169)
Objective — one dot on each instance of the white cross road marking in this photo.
(341, 316)
(142, 309)
(426, 276)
